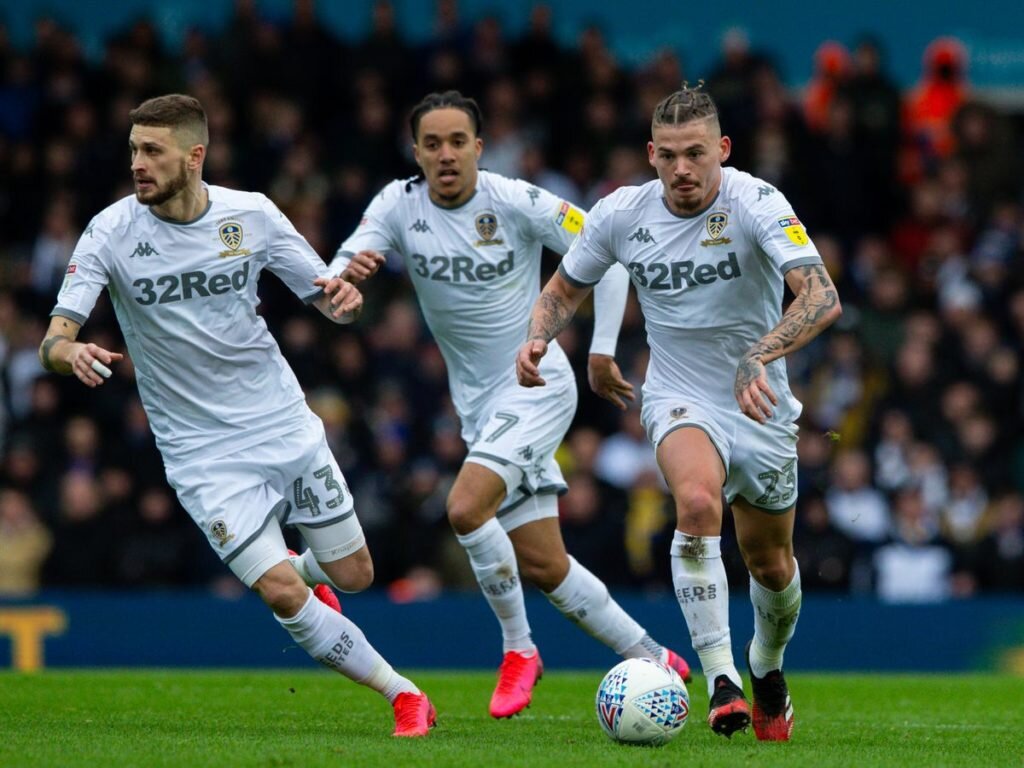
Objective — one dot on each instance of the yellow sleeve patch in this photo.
(570, 219)
(794, 230)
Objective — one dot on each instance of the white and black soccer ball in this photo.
(641, 701)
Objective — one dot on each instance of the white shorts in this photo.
(759, 459)
(516, 437)
(293, 480)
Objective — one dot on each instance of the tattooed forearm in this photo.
(47, 347)
(815, 307)
(550, 316)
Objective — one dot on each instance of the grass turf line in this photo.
(312, 718)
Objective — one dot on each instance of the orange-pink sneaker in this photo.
(517, 675)
(414, 715)
(678, 663)
(323, 592)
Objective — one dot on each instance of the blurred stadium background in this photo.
(898, 134)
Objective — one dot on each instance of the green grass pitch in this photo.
(312, 718)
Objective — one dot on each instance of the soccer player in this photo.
(708, 249)
(471, 242)
(245, 454)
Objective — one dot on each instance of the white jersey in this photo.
(476, 270)
(710, 285)
(210, 375)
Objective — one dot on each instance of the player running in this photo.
(708, 249)
(245, 454)
(471, 243)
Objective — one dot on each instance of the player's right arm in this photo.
(86, 277)
(62, 353)
(551, 313)
(363, 252)
(363, 266)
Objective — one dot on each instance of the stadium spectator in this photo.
(832, 71)
(943, 249)
(27, 542)
(929, 108)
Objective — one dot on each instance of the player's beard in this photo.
(161, 195)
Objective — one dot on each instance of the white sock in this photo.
(337, 643)
(702, 591)
(647, 648)
(494, 562)
(310, 571)
(775, 615)
(584, 600)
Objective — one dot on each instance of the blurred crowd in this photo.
(911, 472)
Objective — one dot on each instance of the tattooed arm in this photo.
(61, 353)
(815, 307)
(553, 310)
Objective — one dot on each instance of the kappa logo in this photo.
(533, 193)
(764, 191)
(642, 235)
(421, 226)
(144, 249)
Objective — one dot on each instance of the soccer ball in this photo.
(641, 701)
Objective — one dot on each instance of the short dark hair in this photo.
(446, 100)
(685, 105)
(176, 111)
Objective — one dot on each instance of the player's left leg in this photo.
(326, 635)
(473, 502)
(576, 592)
(766, 542)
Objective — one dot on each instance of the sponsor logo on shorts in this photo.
(678, 412)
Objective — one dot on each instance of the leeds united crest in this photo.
(486, 227)
(715, 224)
(231, 235)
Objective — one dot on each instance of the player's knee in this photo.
(546, 575)
(771, 569)
(352, 574)
(697, 507)
(464, 514)
(358, 578)
(285, 593)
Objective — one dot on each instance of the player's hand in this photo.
(363, 266)
(752, 391)
(528, 362)
(345, 300)
(606, 380)
(90, 363)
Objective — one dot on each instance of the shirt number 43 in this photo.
(306, 498)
